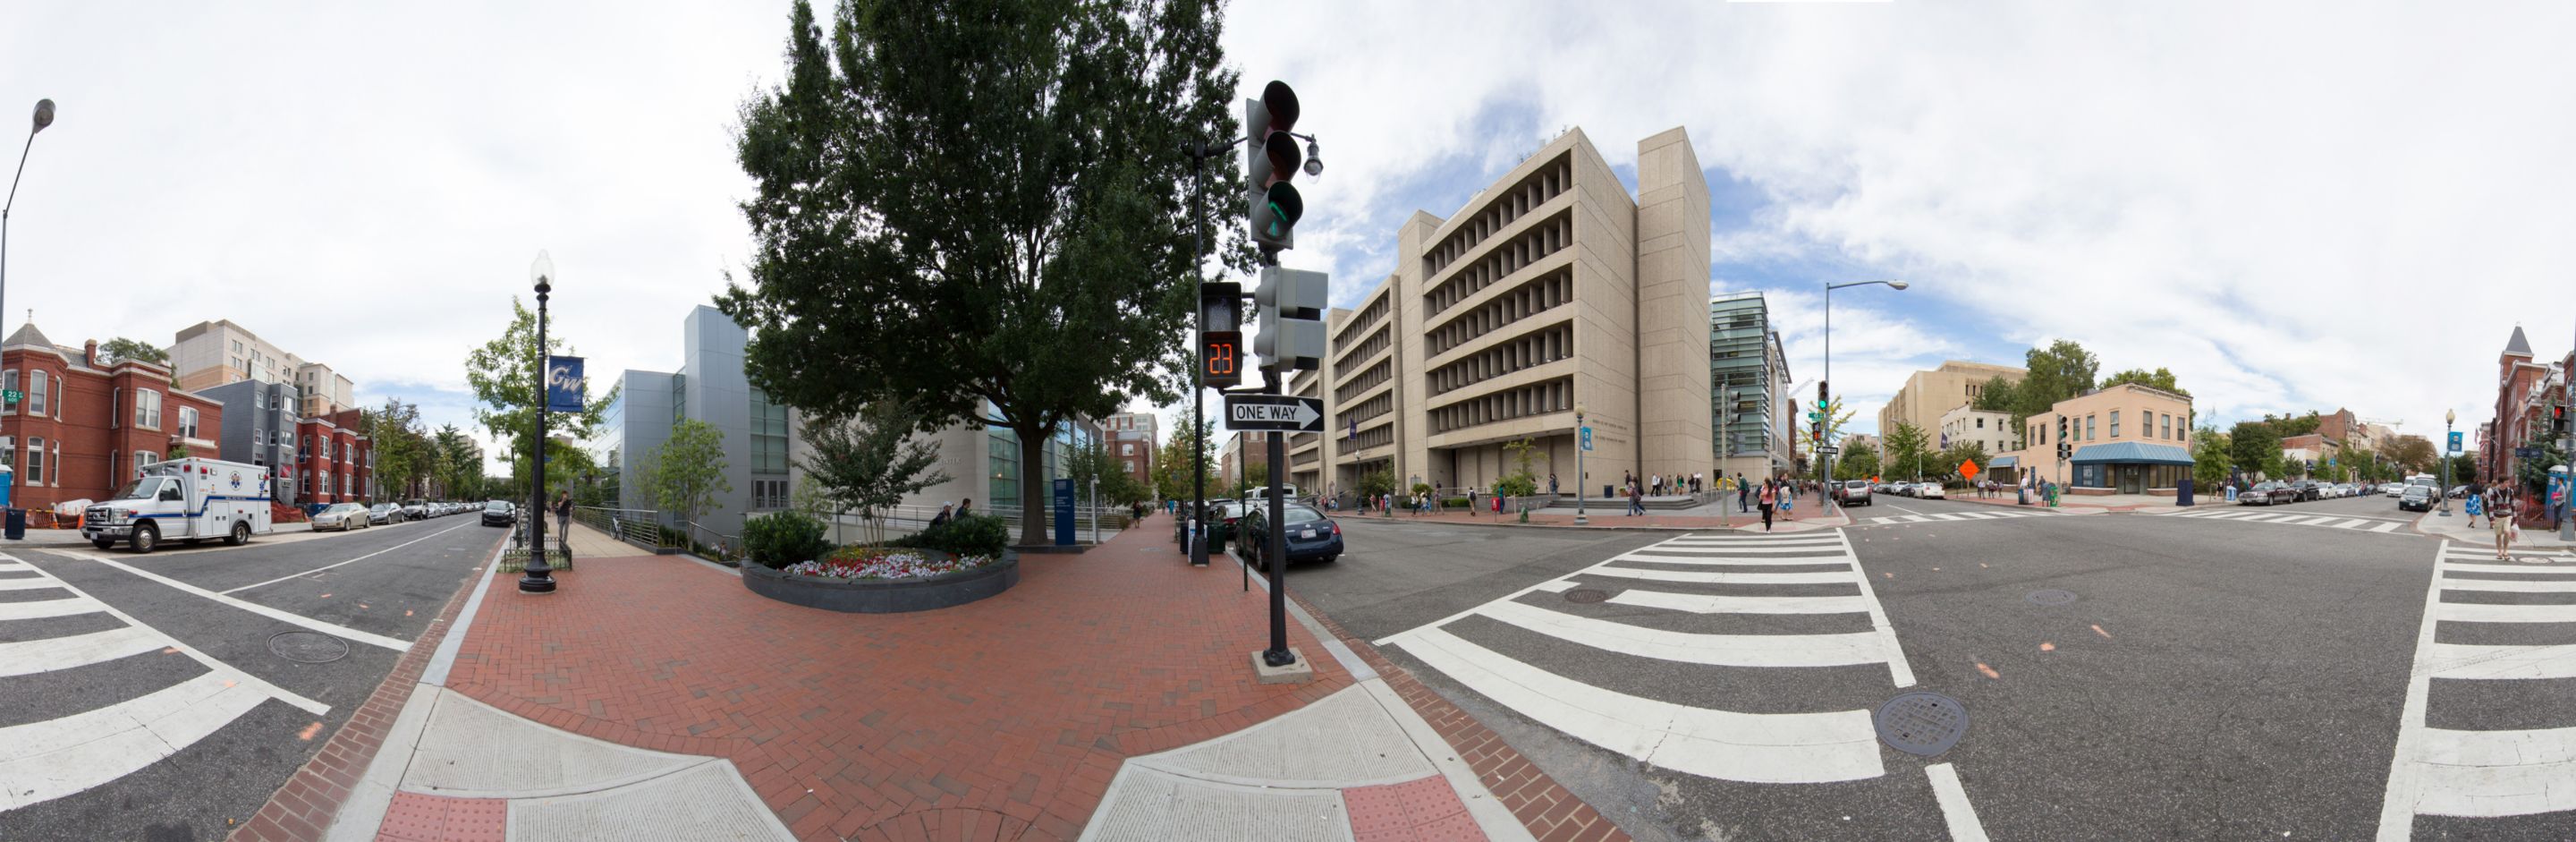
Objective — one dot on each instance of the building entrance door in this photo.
(2133, 479)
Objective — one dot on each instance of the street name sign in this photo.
(1828, 451)
(13, 396)
(2526, 453)
(1274, 412)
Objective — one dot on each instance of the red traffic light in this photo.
(1281, 101)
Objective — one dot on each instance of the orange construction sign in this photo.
(1968, 468)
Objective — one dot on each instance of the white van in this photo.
(1261, 493)
(186, 499)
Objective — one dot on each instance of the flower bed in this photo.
(874, 581)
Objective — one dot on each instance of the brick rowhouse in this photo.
(86, 426)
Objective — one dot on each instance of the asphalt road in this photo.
(2202, 677)
(188, 639)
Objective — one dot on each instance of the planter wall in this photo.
(884, 596)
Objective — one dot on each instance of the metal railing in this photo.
(641, 527)
(726, 547)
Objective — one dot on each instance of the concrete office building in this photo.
(1965, 423)
(1749, 385)
(213, 353)
(711, 387)
(1928, 394)
(261, 420)
(1552, 287)
(1306, 450)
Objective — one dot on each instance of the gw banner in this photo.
(563, 384)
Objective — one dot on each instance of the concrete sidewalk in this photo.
(1616, 518)
(655, 697)
(2539, 539)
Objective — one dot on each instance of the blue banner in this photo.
(563, 384)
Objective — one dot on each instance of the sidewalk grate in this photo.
(2051, 596)
(306, 647)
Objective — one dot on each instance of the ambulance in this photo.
(183, 499)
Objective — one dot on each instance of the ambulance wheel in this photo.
(146, 538)
(241, 534)
(102, 543)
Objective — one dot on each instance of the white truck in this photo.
(185, 499)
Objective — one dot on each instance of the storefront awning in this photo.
(2132, 453)
(2003, 462)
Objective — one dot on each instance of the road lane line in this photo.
(1828, 577)
(58, 757)
(2460, 660)
(1725, 650)
(1725, 560)
(2480, 612)
(60, 653)
(227, 671)
(366, 637)
(1751, 747)
(2406, 776)
(350, 561)
(1960, 815)
(1717, 604)
(1897, 669)
(2511, 585)
(63, 607)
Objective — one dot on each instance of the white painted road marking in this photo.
(2503, 772)
(1759, 748)
(350, 561)
(1727, 650)
(1724, 578)
(368, 638)
(1716, 604)
(63, 607)
(62, 653)
(58, 757)
(1960, 815)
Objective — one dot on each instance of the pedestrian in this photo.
(1636, 500)
(1788, 503)
(2500, 518)
(1743, 494)
(966, 508)
(1551, 483)
(563, 515)
(1768, 500)
(940, 519)
(2473, 504)
(1471, 501)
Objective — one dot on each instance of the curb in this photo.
(303, 809)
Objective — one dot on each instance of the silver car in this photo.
(342, 517)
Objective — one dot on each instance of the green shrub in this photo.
(965, 536)
(779, 539)
(1421, 488)
(1453, 502)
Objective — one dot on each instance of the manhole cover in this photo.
(1586, 595)
(1922, 723)
(2052, 596)
(306, 647)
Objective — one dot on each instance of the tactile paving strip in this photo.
(1424, 809)
(417, 817)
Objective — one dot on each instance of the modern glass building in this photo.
(1748, 377)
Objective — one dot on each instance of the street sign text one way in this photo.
(1274, 412)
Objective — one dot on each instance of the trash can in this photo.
(17, 525)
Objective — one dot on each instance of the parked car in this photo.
(1853, 492)
(2416, 498)
(500, 513)
(2392, 489)
(415, 509)
(1308, 534)
(384, 513)
(1931, 491)
(2267, 493)
(342, 517)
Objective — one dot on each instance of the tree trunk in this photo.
(1032, 485)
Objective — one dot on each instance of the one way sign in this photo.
(1274, 412)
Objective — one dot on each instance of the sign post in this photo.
(1283, 413)
(1063, 511)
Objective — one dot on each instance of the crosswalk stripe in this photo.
(2390, 526)
(2318, 521)
(1749, 541)
(2510, 585)
(2459, 660)
(28, 584)
(1808, 548)
(1758, 748)
(1725, 578)
(58, 757)
(56, 653)
(2507, 568)
(1721, 604)
(63, 607)
(1728, 650)
(2350, 522)
(2497, 773)
(2480, 612)
(1726, 560)
(1555, 586)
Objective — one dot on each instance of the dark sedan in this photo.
(2268, 494)
(2416, 498)
(500, 513)
(2308, 490)
(1309, 534)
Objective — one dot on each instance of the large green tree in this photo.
(138, 350)
(2060, 371)
(983, 211)
(403, 457)
(1997, 396)
(1909, 452)
(2413, 454)
(1857, 463)
(868, 463)
(2255, 446)
(507, 392)
(2159, 379)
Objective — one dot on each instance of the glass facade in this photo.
(1740, 376)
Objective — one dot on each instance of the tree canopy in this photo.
(138, 350)
(2161, 379)
(987, 215)
(1908, 448)
(2254, 446)
(507, 392)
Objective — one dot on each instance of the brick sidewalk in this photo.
(1004, 718)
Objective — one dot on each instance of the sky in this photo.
(2294, 206)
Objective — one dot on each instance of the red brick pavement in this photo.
(1000, 719)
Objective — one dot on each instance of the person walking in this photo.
(1768, 500)
(1743, 494)
(2472, 504)
(1551, 483)
(1471, 501)
(1789, 502)
(563, 516)
(2500, 519)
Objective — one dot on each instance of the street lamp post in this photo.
(1825, 462)
(2567, 505)
(44, 117)
(540, 575)
(2449, 417)
(1580, 518)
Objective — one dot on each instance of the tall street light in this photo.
(2449, 417)
(1825, 462)
(44, 117)
(540, 576)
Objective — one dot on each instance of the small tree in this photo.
(1380, 481)
(1520, 483)
(688, 471)
(1857, 463)
(1907, 447)
(868, 463)
(2210, 459)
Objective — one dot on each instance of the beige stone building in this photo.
(1966, 423)
(1928, 394)
(2126, 439)
(1552, 287)
(213, 353)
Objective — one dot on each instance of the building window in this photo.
(237, 348)
(1128, 449)
(36, 388)
(147, 409)
(1981, 423)
(768, 435)
(144, 459)
(2115, 423)
(768, 494)
(9, 451)
(308, 448)
(188, 422)
(9, 381)
(2167, 421)
(35, 461)
(2092, 431)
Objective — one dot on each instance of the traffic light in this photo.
(1291, 304)
(2065, 451)
(1271, 159)
(1221, 334)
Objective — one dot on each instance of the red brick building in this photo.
(2521, 409)
(335, 460)
(87, 426)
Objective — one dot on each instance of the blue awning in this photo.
(2132, 453)
(2004, 462)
